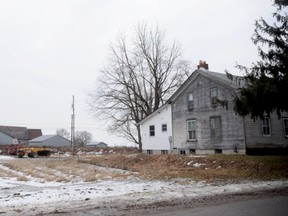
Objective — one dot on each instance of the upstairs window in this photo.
(215, 127)
(152, 130)
(164, 127)
(190, 101)
(285, 126)
(214, 96)
(191, 129)
(266, 126)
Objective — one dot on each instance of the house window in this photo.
(149, 152)
(182, 152)
(192, 151)
(164, 127)
(190, 101)
(285, 126)
(152, 130)
(215, 127)
(266, 127)
(218, 151)
(164, 152)
(191, 129)
(213, 96)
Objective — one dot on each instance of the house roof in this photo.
(21, 133)
(43, 138)
(221, 78)
(18, 132)
(96, 143)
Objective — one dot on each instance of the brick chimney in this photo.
(203, 64)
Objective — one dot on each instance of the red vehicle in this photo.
(13, 148)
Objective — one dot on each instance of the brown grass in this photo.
(209, 168)
(55, 169)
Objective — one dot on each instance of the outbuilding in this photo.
(97, 144)
(50, 140)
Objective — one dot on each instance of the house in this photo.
(200, 124)
(156, 131)
(22, 134)
(51, 141)
(204, 122)
(268, 136)
(97, 145)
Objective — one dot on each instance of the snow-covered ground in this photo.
(35, 196)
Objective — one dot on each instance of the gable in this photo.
(33, 133)
(218, 79)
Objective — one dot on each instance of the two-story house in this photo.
(202, 125)
(203, 121)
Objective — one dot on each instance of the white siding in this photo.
(161, 139)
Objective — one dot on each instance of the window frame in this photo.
(285, 129)
(190, 103)
(195, 130)
(215, 132)
(152, 132)
(213, 97)
(149, 152)
(164, 128)
(266, 129)
(182, 152)
(164, 152)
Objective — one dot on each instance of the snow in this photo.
(27, 197)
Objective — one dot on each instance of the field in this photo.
(213, 168)
(200, 168)
(123, 182)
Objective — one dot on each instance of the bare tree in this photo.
(82, 138)
(63, 132)
(139, 77)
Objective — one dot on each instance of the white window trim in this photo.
(188, 101)
(213, 99)
(164, 131)
(150, 131)
(283, 120)
(191, 120)
(269, 125)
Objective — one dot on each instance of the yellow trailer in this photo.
(33, 152)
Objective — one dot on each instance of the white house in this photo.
(193, 121)
(156, 131)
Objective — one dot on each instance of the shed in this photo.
(97, 144)
(50, 140)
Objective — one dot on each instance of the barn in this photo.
(50, 140)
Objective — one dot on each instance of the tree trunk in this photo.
(139, 139)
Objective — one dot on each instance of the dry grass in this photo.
(210, 168)
(56, 169)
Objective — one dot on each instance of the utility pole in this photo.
(73, 126)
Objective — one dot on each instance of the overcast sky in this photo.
(53, 49)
